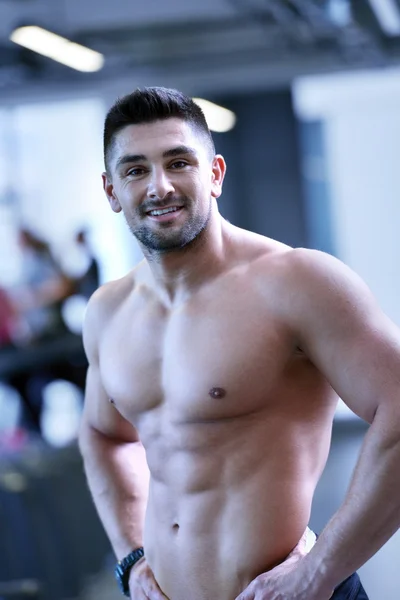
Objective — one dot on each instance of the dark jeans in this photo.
(350, 589)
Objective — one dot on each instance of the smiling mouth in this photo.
(163, 211)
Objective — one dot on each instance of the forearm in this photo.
(117, 475)
(370, 513)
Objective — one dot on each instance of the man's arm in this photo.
(346, 335)
(113, 456)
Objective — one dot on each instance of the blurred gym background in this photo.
(312, 142)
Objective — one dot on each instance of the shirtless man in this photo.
(220, 359)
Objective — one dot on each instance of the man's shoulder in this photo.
(294, 264)
(106, 301)
(305, 281)
(111, 294)
(291, 275)
(305, 266)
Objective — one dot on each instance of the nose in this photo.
(159, 185)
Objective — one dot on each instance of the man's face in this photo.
(163, 178)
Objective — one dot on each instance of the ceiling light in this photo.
(339, 11)
(58, 48)
(218, 118)
(388, 15)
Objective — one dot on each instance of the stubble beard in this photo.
(163, 241)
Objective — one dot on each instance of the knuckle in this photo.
(257, 584)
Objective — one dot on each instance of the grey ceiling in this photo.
(198, 44)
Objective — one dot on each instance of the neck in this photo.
(178, 273)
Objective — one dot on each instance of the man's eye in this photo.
(179, 164)
(136, 171)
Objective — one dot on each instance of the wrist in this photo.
(123, 569)
(316, 571)
(135, 567)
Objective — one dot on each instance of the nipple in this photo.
(217, 392)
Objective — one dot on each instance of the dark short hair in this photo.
(151, 104)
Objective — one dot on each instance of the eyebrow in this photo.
(130, 158)
(177, 151)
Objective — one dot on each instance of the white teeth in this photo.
(164, 211)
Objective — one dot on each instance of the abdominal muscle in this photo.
(214, 523)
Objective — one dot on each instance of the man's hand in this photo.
(142, 583)
(290, 580)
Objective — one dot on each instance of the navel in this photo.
(217, 392)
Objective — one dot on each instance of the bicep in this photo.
(100, 414)
(350, 339)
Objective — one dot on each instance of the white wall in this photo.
(361, 119)
(55, 176)
(362, 132)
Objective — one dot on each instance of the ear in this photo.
(218, 174)
(109, 191)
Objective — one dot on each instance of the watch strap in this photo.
(123, 569)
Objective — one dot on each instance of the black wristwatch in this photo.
(123, 569)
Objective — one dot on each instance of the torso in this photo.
(235, 420)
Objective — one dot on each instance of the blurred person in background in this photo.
(88, 281)
(44, 287)
(36, 303)
(7, 318)
(215, 370)
(11, 325)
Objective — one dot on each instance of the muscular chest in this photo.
(202, 361)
